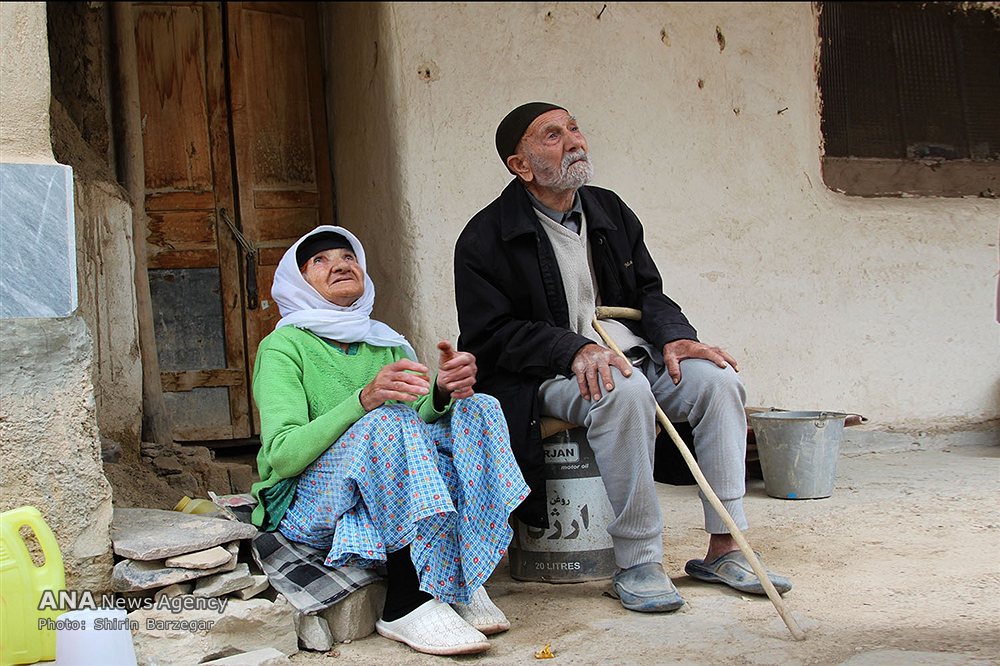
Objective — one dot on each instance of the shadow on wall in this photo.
(365, 152)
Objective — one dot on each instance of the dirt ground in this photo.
(901, 565)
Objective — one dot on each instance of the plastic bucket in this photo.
(100, 637)
(576, 547)
(798, 452)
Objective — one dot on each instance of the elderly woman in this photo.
(366, 456)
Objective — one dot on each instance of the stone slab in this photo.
(154, 534)
(174, 590)
(202, 559)
(260, 583)
(222, 584)
(134, 575)
(37, 241)
(234, 552)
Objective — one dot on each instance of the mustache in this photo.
(575, 156)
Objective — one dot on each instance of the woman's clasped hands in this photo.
(406, 380)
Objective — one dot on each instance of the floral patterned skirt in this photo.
(446, 489)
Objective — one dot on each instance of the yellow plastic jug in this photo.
(22, 639)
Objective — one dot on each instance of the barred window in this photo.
(910, 97)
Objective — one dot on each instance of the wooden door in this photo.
(236, 168)
(279, 125)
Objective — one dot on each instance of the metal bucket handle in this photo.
(826, 416)
(823, 415)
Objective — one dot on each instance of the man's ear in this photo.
(519, 166)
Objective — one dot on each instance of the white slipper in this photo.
(482, 613)
(434, 628)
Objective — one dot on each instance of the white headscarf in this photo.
(302, 306)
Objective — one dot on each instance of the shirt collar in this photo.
(575, 212)
(516, 218)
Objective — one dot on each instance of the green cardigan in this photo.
(307, 391)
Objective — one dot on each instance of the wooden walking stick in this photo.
(713, 499)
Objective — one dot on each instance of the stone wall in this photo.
(49, 443)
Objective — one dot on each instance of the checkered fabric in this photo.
(297, 571)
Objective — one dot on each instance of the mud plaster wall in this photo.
(24, 71)
(367, 153)
(105, 267)
(105, 260)
(880, 306)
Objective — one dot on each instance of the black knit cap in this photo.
(515, 124)
(324, 240)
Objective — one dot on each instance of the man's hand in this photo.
(456, 371)
(678, 350)
(404, 380)
(592, 367)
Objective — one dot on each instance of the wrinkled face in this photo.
(336, 275)
(556, 152)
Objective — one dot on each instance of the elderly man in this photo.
(530, 269)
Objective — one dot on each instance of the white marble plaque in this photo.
(37, 241)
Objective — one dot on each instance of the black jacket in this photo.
(513, 316)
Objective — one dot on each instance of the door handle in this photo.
(251, 253)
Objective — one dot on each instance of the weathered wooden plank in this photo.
(181, 230)
(270, 256)
(182, 200)
(281, 146)
(203, 433)
(268, 316)
(170, 55)
(290, 198)
(192, 379)
(208, 258)
(229, 252)
(283, 226)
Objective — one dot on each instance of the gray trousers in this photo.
(621, 430)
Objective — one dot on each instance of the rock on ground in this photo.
(188, 637)
(314, 633)
(263, 657)
(354, 617)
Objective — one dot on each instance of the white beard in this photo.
(573, 174)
